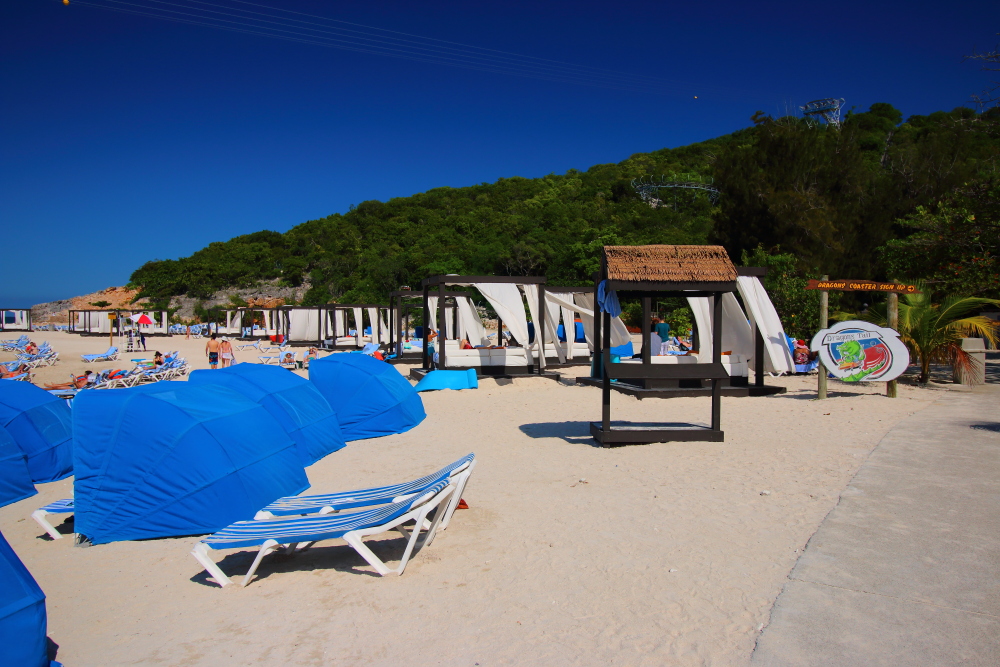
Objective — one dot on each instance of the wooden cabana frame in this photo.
(244, 311)
(399, 311)
(359, 326)
(26, 314)
(662, 270)
(91, 316)
(440, 283)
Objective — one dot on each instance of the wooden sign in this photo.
(861, 286)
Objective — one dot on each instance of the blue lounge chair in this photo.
(110, 355)
(352, 528)
(459, 472)
(58, 507)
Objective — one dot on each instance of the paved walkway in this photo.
(906, 569)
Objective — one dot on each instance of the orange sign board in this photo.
(861, 286)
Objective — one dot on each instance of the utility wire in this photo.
(420, 49)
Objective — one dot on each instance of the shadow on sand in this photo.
(577, 433)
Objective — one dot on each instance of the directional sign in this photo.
(861, 286)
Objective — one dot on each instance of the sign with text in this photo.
(856, 351)
(861, 286)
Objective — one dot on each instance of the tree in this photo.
(933, 332)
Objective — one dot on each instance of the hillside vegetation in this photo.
(859, 201)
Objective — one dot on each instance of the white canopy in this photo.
(737, 336)
(506, 300)
(777, 357)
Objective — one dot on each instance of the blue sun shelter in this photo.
(41, 426)
(370, 397)
(176, 458)
(15, 480)
(292, 400)
(23, 628)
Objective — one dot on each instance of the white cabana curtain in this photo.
(531, 294)
(585, 306)
(472, 324)
(359, 325)
(374, 323)
(384, 335)
(506, 300)
(777, 358)
(552, 311)
(737, 336)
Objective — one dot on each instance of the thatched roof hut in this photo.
(669, 264)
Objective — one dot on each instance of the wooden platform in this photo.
(640, 392)
(494, 372)
(641, 433)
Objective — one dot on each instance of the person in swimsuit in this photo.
(212, 350)
(226, 352)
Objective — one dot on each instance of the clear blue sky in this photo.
(127, 138)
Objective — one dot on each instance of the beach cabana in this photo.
(569, 302)
(15, 480)
(292, 400)
(94, 322)
(175, 458)
(41, 426)
(370, 397)
(505, 297)
(336, 325)
(655, 271)
(23, 625)
(15, 319)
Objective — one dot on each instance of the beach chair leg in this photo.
(354, 539)
(39, 517)
(265, 549)
(461, 480)
(200, 553)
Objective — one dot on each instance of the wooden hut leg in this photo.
(647, 340)
(606, 384)
(758, 356)
(717, 359)
(442, 327)
(427, 316)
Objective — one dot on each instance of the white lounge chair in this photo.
(352, 528)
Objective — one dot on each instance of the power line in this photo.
(420, 49)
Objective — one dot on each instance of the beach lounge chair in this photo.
(352, 528)
(110, 355)
(247, 346)
(58, 507)
(459, 472)
(290, 365)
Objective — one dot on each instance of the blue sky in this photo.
(127, 138)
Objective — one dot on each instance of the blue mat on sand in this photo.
(449, 380)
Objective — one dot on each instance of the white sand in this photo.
(666, 554)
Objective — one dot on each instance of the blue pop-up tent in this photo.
(292, 400)
(40, 425)
(176, 458)
(22, 613)
(370, 397)
(15, 480)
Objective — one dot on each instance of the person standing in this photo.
(226, 354)
(212, 351)
(142, 339)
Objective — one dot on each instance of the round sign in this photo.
(858, 351)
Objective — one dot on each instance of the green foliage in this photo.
(955, 244)
(552, 226)
(680, 321)
(100, 304)
(833, 195)
(934, 332)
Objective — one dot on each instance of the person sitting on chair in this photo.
(20, 370)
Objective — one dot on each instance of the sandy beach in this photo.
(569, 554)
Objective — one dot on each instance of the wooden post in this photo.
(892, 312)
(758, 356)
(598, 339)
(716, 359)
(442, 326)
(824, 304)
(426, 312)
(647, 338)
(606, 380)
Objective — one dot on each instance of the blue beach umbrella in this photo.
(15, 480)
(370, 397)
(23, 625)
(41, 426)
(292, 400)
(176, 458)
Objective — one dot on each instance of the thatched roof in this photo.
(669, 263)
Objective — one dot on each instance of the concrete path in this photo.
(906, 569)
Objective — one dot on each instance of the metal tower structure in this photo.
(648, 188)
(828, 109)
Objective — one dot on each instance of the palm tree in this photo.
(934, 332)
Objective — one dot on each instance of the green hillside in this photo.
(841, 201)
